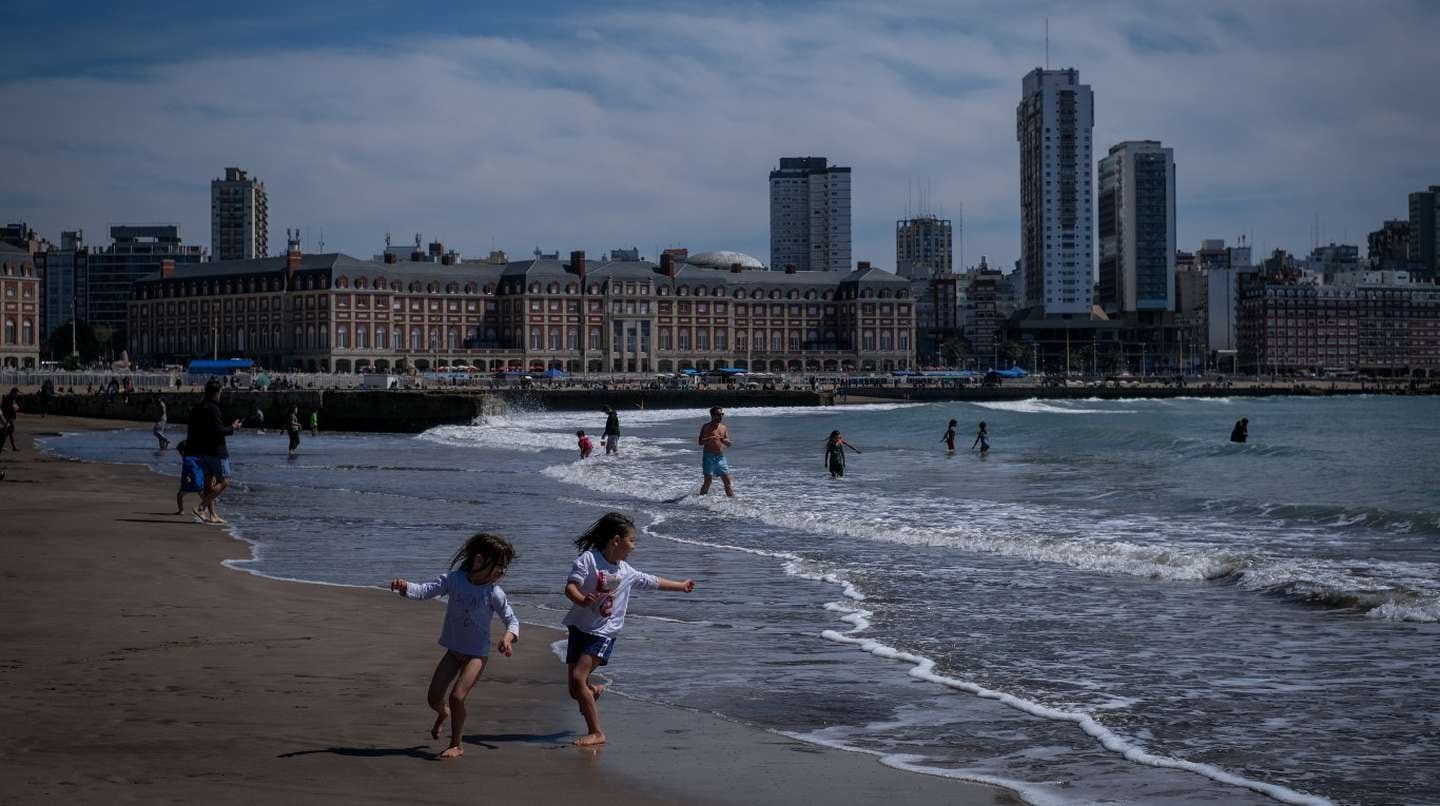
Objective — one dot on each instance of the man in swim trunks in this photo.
(714, 439)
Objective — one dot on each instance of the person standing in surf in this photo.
(1241, 431)
(982, 438)
(159, 430)
(949, 438)
(612, 430)
(714, 439)
(293, 429)
(835, 454)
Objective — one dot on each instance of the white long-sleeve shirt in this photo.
(468, 611)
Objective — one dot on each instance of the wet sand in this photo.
(136, 668)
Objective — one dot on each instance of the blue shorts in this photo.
(714, 464)
(583, 643)
(215, 467)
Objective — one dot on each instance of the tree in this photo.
(955, 350)
(86, 343)
(1013, 352)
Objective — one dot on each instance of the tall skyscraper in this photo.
(61, 268)
(923, 247)
(102, 291)
(1052, 124)
(1137, 228)
(1425, 231)
(810, 215)
(239, 222)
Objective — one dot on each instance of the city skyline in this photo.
(479, 139)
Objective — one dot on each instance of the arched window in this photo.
(739, 293)
(534, 288)
(594, 289)
(489, 288)
(774, 293)
(432, 288)
(452, 288)
(415, 337)
(682, 291)
(27, 332)
(434, 338)
(884, 293)
(570, 288)
(553, 288)
(452, 338)
(309, 337)
(867, 293)
(809, 293)
(903, 293)
(663, 291)
(414, 288)
(342, 282)
(9, 331)
(360, 282)
(827, 295)
(469, 288)
(792, 294)
(342, 337)
(396, 285)
(757, 294)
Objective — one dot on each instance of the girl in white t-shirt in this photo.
(599, 585)
(474, 599)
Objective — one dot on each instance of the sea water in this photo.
(1115, 604)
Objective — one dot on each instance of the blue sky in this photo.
(582, 126)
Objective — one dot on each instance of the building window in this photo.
(362, 337)
(342, 337)
(721, 340)
(536, 342)
(684, 339)
(665, 338)
(415, 337)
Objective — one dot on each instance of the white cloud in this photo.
(659, 128)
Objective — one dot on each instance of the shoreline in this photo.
(139, 668)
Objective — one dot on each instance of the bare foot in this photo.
(453, 751)
(596, 690)
(590, 740)
(439, 721)
(217, 520)
(200, 515)
(180, 511)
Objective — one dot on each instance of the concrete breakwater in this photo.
(400, 411)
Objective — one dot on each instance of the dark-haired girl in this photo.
(474, 598)
(599, 585)
(949, 438)
(835, 454)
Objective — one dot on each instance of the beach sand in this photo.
(136, 668)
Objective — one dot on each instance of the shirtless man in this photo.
(714, 439)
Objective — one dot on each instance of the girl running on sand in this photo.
(599, 585)
(474, 598)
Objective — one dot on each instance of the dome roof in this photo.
(723, 259)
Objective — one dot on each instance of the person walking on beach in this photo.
(47, 397)
(293, 429)
(835, 454)
(10, 408)
(206, 438)
(599, 588)
(982, 438)
(612, 430)
(1241, 431)
(159, 430)
(714, 439)
(474, 598)
(314, 423)
(949, 438)
(586, 446)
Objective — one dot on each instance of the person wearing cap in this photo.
(714, 439)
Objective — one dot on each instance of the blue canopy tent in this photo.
(1013, 372)
(555, 373)
(949, 374)
(223, 366)
(731, 370)
(689, 371)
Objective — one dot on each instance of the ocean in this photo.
(1116, 604)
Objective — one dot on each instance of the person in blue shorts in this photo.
(714, 439)
(206, 442)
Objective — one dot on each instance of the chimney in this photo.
(292, 260)
(577, 262)
(167, 268)
(789, 268)
(389, 257)
(862, 265)
(667, 263)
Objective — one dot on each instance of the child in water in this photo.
(599, 586)
(949, 438)
(474, 598)
(982, 438)
(586, 446)
(835, 454)
(192, 477)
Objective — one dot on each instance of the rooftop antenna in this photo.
(322, 240)
(387, 240)
(1047, 43)
(962, 236)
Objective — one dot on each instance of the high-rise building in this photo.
(1425, 231)
(923, 247)
(810, 215)
(1223, 267)
(1052, 124)
(239, 222)
(103, 290)
(1136, 228)
(1389, 246)
(1333, 260)
(60, 267)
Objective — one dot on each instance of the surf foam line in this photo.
(924, 669)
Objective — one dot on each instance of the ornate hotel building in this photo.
(333, 313)
(19, 309)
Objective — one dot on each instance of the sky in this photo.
(596, 126)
